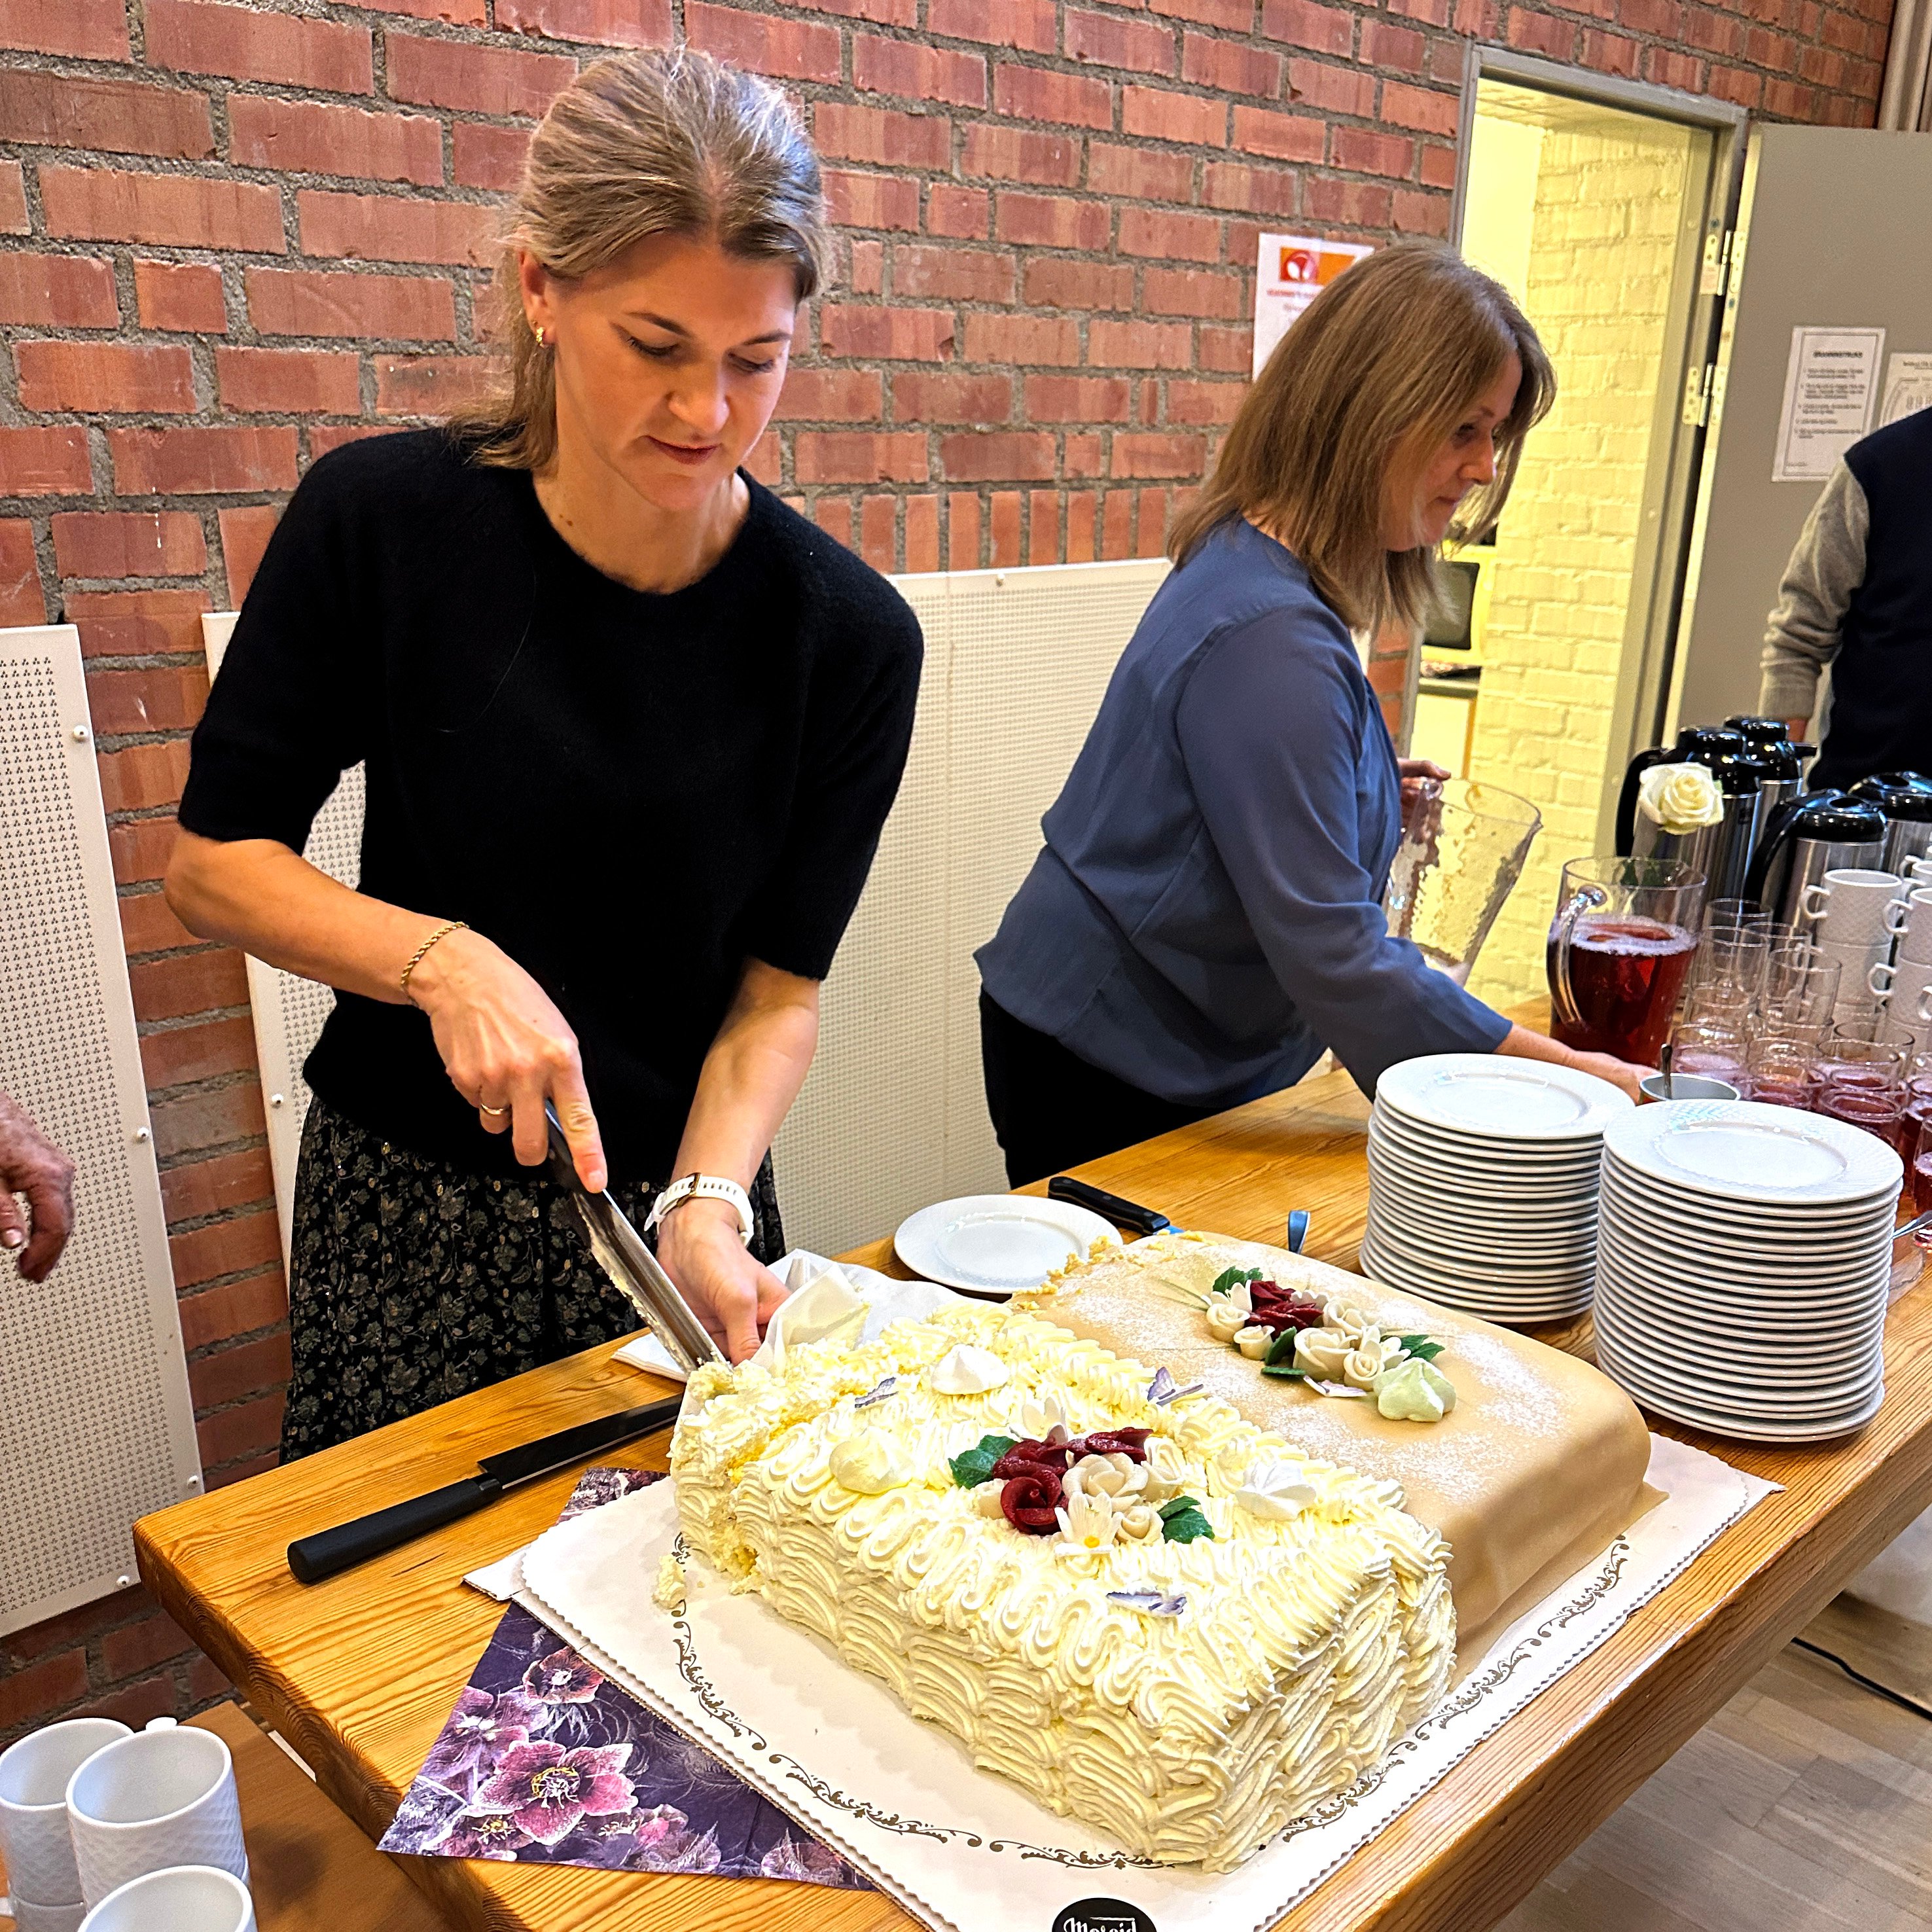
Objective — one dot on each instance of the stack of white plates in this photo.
(1483, 1183)
(1742, 1267)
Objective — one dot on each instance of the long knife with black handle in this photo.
(327, 1551)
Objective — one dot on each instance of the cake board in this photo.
(963, 1851)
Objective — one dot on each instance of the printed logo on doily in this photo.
(1102, 1915)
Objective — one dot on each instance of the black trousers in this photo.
(1051, 1110)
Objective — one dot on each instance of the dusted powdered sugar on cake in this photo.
(1187, 1697)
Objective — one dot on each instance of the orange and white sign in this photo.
(1292, 270)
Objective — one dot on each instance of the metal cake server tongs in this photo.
(622, 1254)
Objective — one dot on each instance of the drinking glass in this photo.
(1919, 1169)
(1735, 957)
(1620, 946)
(1861, 1080)
(1731, 912)
(1778, 1071)
(1800, 985)
(1918, 1086)
(1715, 1002)
(1709, 1047)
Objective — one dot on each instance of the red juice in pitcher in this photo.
(1625, 975)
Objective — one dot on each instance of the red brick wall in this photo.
(233, 236)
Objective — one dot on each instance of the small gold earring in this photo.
(538, 331)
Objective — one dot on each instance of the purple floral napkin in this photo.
(544, 1762)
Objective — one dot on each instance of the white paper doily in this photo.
(963, 1851)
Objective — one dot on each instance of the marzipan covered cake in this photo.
(1148, 1612)
(1526, 1461)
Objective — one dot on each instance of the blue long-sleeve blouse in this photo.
(1206, 916)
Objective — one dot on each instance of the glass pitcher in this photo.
(1462, 850)
(1622, 942)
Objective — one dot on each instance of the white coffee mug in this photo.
(33, 1836)
(183, 1898)
(1914, 926)
(1907, 989)
(1848, 905)
(163, 1797)
(29, 1917)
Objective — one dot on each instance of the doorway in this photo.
(1602, 207)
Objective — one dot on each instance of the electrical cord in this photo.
(1859, 1677)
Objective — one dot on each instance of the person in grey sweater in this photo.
(1857, 595)
(1206, 916)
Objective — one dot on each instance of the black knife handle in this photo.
(327, 1551)
(1122, 1214)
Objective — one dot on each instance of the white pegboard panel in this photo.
(290, 1011)
(893, 1115)
(97, 1426)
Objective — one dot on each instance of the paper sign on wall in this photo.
(1830, 384)
(1908, 385)
(1290, 270)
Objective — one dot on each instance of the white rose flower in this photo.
(1680, 798)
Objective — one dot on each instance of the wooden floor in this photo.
(1805, 1806)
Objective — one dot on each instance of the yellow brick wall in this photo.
(1602, 237)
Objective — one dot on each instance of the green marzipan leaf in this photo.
(1420, 1347)
(1185, 1525)
(972, 1467)
(1281, 1349)
(1231, 1277)
(1282, 1373)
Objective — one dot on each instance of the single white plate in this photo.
(1743, 1150)
(1502, 1099)
(993, 1245)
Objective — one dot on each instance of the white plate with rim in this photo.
(1723, 1371)
(1762, 1431)
(1496, 1176)
(1729, 1212)
(1528, 1157)
(993, 1245)
(1507, 1261)
(1508, 1101)
(1554, 1280)
(1733, 1313)
(1748, 1224)
(1474, 1297)
(1743, 1150)
(1721, 1299)
(1777, 1266)
(1777, 1409)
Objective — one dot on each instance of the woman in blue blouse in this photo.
(1206, 916)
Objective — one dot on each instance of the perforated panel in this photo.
(96, 1424)
(893, 1115)
(290, 1011)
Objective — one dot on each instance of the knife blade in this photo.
(328, 1551)
(622, 1253)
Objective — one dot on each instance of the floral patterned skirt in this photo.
(411, 1281)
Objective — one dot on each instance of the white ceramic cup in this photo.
(33, 1806)
(29, 1917)
(1907, 989)
(1914, 926)
(184, 1898)
(1849, 906)
(163, 1797)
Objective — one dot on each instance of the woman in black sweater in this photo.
(630, 728)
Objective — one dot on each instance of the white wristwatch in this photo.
(704, 1187)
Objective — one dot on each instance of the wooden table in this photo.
(360, 1672)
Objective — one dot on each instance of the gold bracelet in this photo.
(416, 957)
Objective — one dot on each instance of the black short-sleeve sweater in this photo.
(630, 794)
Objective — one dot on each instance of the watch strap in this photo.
(704, 1187)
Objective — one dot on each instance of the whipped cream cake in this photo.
(1149, 1612)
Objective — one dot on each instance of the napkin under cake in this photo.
(1150, 1614)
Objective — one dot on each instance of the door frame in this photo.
(1655, 613)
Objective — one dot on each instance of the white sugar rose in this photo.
(1680, 798)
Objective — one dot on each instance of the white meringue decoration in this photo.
(1273, 1492)
(869, 1463)
(1039, 1416)
(966, 1370)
